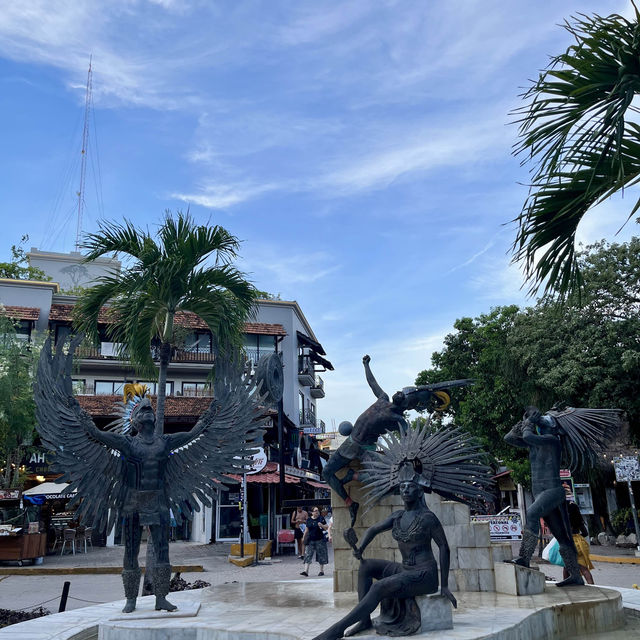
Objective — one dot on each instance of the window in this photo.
(198, 342)
(196, 389)
(78, 386)
(109, 387)
(256, 346)
(153, 387)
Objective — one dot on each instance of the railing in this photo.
(307, 418)
(305, 366)
(91, 352)
(318, 383)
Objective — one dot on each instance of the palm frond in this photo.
(582, 150)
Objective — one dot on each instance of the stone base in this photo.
(184, 610)
(518, 581)
(301, 609)
(435, 612)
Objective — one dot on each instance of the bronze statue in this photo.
(415, 461)
(136, 475)
(576, 435)
(382, 416)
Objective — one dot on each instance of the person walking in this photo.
(315, 542)
(299, 517)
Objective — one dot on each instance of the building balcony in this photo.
(112, 351)
(306, 372)
(309, 424)
(317, 389)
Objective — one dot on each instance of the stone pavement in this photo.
(28, 591)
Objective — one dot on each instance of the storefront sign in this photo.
(259, 461)
(310, 431)
(38, 462)
(301, 473)
(9, 494)
(504, 527)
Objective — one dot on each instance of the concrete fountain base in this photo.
(298, 610)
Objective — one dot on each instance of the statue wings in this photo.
(223, 441)
(225, 438)
(92, 469)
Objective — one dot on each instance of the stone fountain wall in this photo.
(472, 552)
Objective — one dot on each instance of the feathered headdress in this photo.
(585, 433)
(133, 393)
(449, 462)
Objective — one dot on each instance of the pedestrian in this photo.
(298, 523)
(579, 533)
(315, 542)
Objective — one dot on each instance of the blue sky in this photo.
(360, 150)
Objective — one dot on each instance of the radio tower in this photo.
(83, 158)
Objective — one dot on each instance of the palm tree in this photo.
(163, 279)
(576, 132)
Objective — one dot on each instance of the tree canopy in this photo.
(18, 268)
(584, 352)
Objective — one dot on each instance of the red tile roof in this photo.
(176, 406)
(20, 313)
(186, 319)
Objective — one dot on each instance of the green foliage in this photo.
(18, 361)
(622, 521)
(584, 353)
(18, 267)
(575, 132)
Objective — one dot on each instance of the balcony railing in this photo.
(112, 352)
(307, 418)
(306, 372)
(317, 389)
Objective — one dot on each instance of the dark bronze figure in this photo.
(415, 462)
(575, 435)
(139, 478)
(382, 416)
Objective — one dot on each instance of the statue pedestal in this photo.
(436, 612)
(518, 581)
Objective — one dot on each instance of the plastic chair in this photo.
(69, 535)
(87, 538)
(285, 538)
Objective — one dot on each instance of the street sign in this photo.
(308, 431)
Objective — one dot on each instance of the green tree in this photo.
(163, 278)
(576, 132)
(18, 267)
(18, 360)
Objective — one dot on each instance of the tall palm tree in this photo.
(162, 279)
(575, 130)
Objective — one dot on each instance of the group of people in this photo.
(312, 532)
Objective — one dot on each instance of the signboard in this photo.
(301, 473)
(38, 461)
(627, 468)
(259, 461)
(310, 431)
(9, 494)
(503, 527)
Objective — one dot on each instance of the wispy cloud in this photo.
(224, 196)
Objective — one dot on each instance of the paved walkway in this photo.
(22, 590)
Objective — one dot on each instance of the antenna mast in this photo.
(83, 158)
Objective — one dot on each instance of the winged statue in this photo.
(134, 474)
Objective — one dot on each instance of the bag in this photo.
(554, 555)
(545, 551)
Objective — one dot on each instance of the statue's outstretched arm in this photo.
(372, 532)
(177, 440)
(113, 440)
(373, 383)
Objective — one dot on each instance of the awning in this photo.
(318, 485)
(265, 478)
(314, 357)
(48, 489)
(306, 341)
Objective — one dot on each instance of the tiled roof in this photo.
(175, 406)
(20, 313)
(186, 319)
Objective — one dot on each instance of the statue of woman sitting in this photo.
(413, 528)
